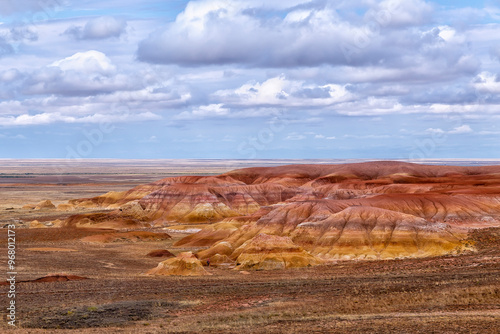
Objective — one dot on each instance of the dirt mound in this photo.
(221, 261)
(51, 278)
(46, 224)
(210, 234)
(133, 236)
(114, 220)
(58, 278)
(160, 253)
(265, 252)
(37, 224)
(42, 205)
(65, 207)
(184, 264)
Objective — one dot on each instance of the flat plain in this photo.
(452, 293)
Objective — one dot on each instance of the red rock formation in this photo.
(207, 199)
(160, 253)
(366, 210)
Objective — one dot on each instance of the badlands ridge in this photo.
(303, 215)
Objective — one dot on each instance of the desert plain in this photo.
(265, 246)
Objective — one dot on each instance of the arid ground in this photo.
(92, 287)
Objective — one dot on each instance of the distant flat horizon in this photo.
(9, 164)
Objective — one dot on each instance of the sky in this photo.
(241, 79)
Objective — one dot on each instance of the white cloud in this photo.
(86, 62)
(99, 28)
(49, 118)
(279, 91)
(212, 110)
(246, 64)
(10, 75)
(222, 32)
(402, 13)
(461, 129)
(487, 82)
(320, 136)
(436, 131)
(295, 136)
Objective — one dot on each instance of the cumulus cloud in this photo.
(280, 91)
(9, 75)
(217, 32)
(88, 62)
(82, 74)
(99, 28)
(487, 83)
(213, 32)
(84, 87)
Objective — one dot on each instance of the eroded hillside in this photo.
(374, 210)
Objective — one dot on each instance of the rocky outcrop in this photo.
(205, 200)
(184, 264)
(267, 252)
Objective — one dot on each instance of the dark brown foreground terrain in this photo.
(446, 294)
(451, 294)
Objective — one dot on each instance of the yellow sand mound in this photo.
(184, 264)
(266, 252)
(43, 205)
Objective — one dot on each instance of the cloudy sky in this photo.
(241, 79)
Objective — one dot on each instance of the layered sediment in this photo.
(375, 210)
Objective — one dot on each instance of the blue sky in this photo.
(241, 79)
